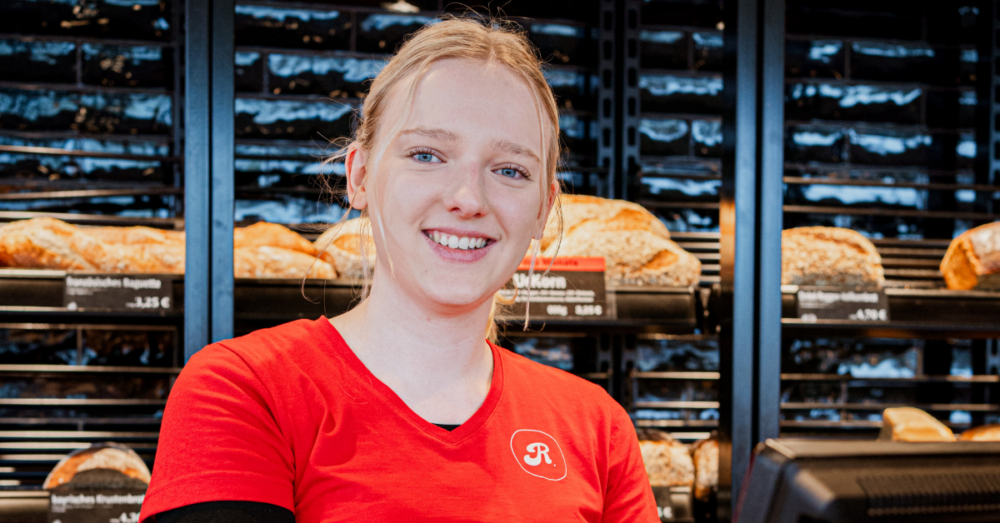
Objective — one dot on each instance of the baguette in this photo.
(829, 256)
(265, 261)
(272, 235)
(973, 259)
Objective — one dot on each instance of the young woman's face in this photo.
(458, 190)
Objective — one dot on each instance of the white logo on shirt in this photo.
(538, 454)
(541, 450)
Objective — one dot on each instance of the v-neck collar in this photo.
(453, 437)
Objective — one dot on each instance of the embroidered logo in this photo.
(538, 454)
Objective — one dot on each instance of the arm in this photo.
(629, 497)
(219, 439)
(228, 511)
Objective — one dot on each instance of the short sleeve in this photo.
(629, 497)
(219, 440)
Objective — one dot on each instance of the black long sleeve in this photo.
(227, 512)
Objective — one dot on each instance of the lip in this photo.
(458, 255)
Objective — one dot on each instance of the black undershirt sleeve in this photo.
(235, 511)
(227, 512)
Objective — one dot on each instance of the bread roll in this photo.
(973, 259)
(910, 424)
(577, 210)
(829, 257)
(266, 261)
(341, 247)
(272, 235)
(668, 463)
(706, 466)
(984, 433)
(101, 456)
(635, 254)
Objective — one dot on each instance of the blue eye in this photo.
(424, 157)
(509, 172)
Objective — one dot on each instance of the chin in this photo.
(454, 294)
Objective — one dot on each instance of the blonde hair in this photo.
(489, 41)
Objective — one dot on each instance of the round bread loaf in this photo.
(829, 257)
(109, 456)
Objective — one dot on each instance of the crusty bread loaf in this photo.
(706, 466)
(973, 259)
(635, 254)
(910, 424)
(668, 463)
(577, 210)
(829, 257)
(46, 243)
(134, 235)
(101, 456)
(265, 261)
(983, 433)
(272, 235)
(341, 247)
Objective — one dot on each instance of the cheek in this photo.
(519, 215)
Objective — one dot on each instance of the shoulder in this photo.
(571, 392)
(264, 349)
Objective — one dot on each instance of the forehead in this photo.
(476, 100)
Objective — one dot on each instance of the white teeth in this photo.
(456, 242)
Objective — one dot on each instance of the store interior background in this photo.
(729, 119)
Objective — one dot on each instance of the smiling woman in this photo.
(400, 410)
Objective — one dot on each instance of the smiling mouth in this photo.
(462, 243)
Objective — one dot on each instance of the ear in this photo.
(356, 174)
(547, 210)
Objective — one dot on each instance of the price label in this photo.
(118, 292)
(68, 505)
(870, 306)
(573, 289)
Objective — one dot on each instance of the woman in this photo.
(400, 410)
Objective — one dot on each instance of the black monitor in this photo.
(824, 481)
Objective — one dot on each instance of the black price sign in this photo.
(573, 289)
(870, 305)
(673, 504)
(95, 506)
(140, 292)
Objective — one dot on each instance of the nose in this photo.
(465, 196)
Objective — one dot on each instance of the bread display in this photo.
(668, 462)
(829, 257)
(973, 259)
(340, 246)
(984, 433)
(635, 245)
(706, 466)
(274, 262)
(106, 456)
(910, 424)
(262, 250)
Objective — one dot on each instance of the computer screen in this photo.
(826, 481)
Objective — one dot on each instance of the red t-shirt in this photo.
(291, 417)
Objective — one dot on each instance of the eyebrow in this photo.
(513, 148)
(437, 134)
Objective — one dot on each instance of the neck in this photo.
(435, 360)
